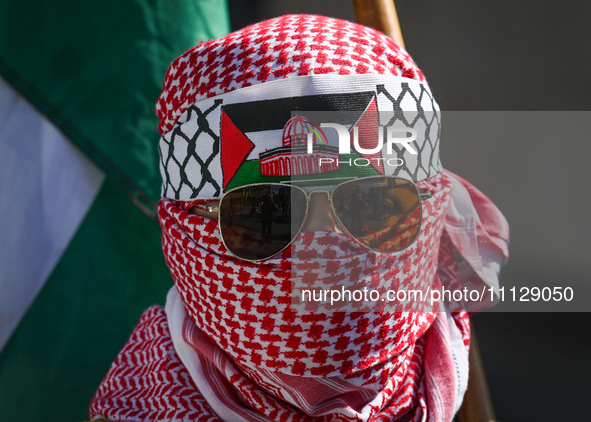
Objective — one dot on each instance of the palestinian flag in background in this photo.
(80, 254)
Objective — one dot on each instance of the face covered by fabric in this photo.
(237, 341)
(246, 308)
(225, 110)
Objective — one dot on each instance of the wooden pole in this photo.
(477, 405)
(380, 15)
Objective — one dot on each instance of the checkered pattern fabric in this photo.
(246, 309)
(148, 382)
(284, 47)
(424, 120)
(190, 156)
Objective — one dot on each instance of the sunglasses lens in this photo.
(258, 221)
(382, 213)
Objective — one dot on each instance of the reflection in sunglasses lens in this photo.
(383, 214)
(259, 221)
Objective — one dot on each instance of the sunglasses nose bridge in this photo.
(318, 191)
(320, 216)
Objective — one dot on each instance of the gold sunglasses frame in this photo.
(422, 195)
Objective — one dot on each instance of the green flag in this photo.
(80, 254)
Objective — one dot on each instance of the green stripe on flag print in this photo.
(78, 237)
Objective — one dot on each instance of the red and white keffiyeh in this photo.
(424, 381)
(285, 47)
(246, 308)
(230, 346)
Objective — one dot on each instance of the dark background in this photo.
(512, 56)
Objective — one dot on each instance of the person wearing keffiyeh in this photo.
(228, 345)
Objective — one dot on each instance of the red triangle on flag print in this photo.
(234, 149)
(368, 127)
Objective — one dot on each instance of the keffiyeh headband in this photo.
(237, 110)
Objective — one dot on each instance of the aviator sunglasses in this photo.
(258, 221)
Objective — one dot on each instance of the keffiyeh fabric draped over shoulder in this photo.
(229, 346)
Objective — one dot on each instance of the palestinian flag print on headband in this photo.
(261, 141)
(240, 138)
